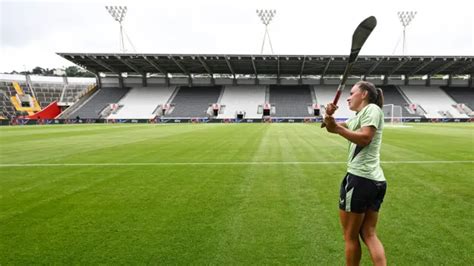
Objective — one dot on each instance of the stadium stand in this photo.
(193, 101)
(325, 95)
(291, 101)
(92, 108)
(11, 91)
(319, 71)
(288, 100)
(392, 95)
(72, 93)
(244, 98)
(8, 90)
(46, 89)
(141, 103)
(47, 93)
(435, 102)
(462, 95)
(3, 100)
(83, 98)
(43, 89)
(8, 110)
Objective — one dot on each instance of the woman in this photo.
(363, 187)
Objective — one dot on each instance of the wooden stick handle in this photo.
(336, 99)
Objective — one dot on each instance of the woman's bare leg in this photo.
(351, 226)
(369, 236)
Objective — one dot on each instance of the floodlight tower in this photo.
(118, 13)
(405, 18)
(266, 17)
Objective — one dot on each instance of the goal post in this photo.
(393, 114)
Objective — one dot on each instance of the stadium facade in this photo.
(237, 88)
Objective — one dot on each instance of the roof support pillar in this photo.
(300, 80)
(98, 80)
(213, 80)
(120, 80)
(278, 70)
(255, 71)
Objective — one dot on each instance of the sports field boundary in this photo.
(218, 163)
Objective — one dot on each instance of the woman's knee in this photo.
(367, 235)
(351, 236)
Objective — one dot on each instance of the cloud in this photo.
(32, 31)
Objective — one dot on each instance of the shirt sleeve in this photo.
(349, 123)
(371, 117)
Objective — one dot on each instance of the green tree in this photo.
(38, 71)
(72, 71)
(49, 72)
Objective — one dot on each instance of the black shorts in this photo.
(359, 194)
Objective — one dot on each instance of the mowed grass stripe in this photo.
(428, 142)
(109, 139)
(221, 163)
(272, 222)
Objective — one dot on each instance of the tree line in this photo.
(71, 71)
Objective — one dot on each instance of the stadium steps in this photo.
(17, 104)
(142, 102)
(434, 101)
(220, 95)
(66, 114)
(462, 95)
(242, 98)
(173, 95)
(290, 101)
(402, 93)
(194, 101)
(17, 88)
(98, 101)
(313, 94)
(325, 94)
(267, 94)
(393, 95)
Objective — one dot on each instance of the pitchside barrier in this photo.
(20, 121)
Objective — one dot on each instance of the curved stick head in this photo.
(360, 35)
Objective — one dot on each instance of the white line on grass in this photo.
(216, 163)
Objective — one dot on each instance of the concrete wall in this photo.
(439, 82)
(460, 82)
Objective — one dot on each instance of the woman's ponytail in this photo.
(379, 99)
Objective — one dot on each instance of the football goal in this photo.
(393, 114)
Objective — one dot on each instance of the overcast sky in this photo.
(33, 31)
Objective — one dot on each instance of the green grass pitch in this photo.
(225, 194)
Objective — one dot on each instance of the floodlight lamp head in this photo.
(406, 17)
(117, 12)
(266, 15)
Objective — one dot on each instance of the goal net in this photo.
(393, 114)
